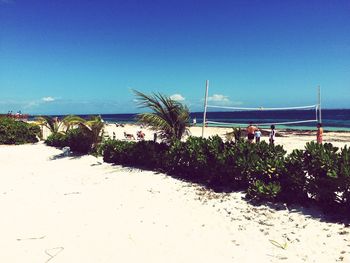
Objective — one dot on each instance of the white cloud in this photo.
(219, 98)
(48, 99)
(177, 97)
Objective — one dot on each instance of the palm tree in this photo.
(54, 125)
(71, 121)
(169, 117)
(93, 128)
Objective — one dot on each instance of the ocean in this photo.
(332, 119)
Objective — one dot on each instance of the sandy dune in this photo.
(78, 209)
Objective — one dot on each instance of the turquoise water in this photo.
(333, 119)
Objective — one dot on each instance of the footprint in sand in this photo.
(53, 252)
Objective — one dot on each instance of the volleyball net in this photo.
(260, 109)
(293, 115)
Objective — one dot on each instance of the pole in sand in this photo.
(319, 105)
(205, 106)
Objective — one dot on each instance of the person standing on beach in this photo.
(319, 135)
(194, 121)
(257, 135)
(272, 134)
(251, 132)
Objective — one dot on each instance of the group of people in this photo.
(17, 115)
(253, 132)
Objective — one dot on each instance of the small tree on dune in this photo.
(93, 128)
(54, 124)
(169, 117)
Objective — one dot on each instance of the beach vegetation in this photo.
(82, 136)
(79, 141)
(344, 177)
(295, 178)
(145, 154)
(321, 163)
(236, 134)
(57, 140)
(319, 174)
(168, 117)
(14, 131)
(55, 125)
(93, 130)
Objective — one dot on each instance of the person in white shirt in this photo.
(194, 122)
(257, 135)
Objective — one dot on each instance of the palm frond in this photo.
(51, 123)
(168, 116)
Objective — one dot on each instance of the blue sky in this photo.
(63, 56)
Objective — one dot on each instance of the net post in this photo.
(319, 105)
(205, 106)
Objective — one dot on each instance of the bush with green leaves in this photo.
(198, 159)
(83, 139)
(79, 141)
(264, 191)
(343, 196)
(263, 169)
(76, 139)
(57, 140)
(327, 175)
(147, 154)
(118, 152)
(321, 164)
(294, 181)
(18, 132)
(318, 174)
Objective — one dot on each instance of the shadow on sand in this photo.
(70, 156)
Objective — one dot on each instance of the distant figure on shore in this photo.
(114, 136)
(140, 135)
(257, 135)
(155, 137)
(251, 132)
(129, 136)
(272, 135)
(319, 135)
(194, 121)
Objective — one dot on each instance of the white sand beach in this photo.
(79, 209)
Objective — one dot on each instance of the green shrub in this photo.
(293, 182)
(147, 154)
(320, 173)
(18, 132)
(78, 141)
(57, 140)
(264, 191)
(118, 152)
(264, 170)
(321, 164)
(197, 158)
(344, 178)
